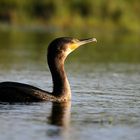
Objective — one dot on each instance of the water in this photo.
(105, 105)
(105, 97)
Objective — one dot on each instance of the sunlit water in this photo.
(105, 105)
(105, 84)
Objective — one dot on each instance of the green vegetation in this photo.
(27, 26)
(101, 15)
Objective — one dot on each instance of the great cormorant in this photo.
(58, 50)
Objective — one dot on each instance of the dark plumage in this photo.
(58, 50)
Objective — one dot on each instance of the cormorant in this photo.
(58, 50)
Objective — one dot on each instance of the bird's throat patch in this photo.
(73, 46)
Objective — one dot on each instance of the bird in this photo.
(58, 50)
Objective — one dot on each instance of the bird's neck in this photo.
(61, 87)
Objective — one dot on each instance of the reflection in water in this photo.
(60, 118)
(60, 114)
(22, 47)
(112, 94)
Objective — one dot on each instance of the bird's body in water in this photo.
(58, 50)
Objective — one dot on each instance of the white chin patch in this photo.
(68, 51)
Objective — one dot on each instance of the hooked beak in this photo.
(85, 41)
(78, 43)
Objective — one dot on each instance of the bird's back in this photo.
(18, 92)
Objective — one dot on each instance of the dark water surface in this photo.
(105, 91)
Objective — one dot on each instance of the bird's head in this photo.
(61, 47)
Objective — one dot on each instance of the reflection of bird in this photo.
(58, 50)
(60, 115)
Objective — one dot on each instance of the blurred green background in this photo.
(111, 15)
(27, 27)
